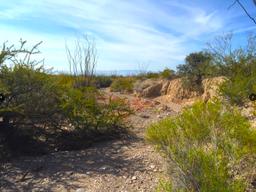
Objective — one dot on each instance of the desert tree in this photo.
(197, 67)
(82, 60)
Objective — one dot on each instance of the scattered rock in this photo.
(80, 190)
(105, 167)
(152, 166)
(134, 178)
(144, 116)
(124, 165)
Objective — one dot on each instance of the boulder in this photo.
(211, 87)
(152, 91)
(140, 85)
(176, 91)
(150, 88)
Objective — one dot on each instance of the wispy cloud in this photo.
(126, 32)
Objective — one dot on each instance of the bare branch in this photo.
(82, 60)
(244, 9)
(20, 55)
(232, 5)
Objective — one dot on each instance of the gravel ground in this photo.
(125, 165)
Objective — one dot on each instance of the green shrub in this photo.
(205, 142)
(85, 113)
(151, 75)
(103, 81)
(164, 186)
(241, 83)
(148, 75)
(238, 65)
(31, 95)
(124, 84)
(64, 80)
(51, 111)
(197, 67)
(167, 73)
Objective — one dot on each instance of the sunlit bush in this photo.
(31, 95)
(241, 83)
(40, 108)
(124, 84)
(167, 73)
(84, 112)
(206, 142)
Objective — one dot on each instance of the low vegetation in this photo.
(197, 67)
(124, 85)
(103, 81)
(205, 143)
(211, 146)
(208, 144)
(51, 112)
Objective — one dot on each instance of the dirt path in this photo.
(129, 164)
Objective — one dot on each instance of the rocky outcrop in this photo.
(211, 87)
(151, 88)
(152, 91)
(165, 87)
(176, 91)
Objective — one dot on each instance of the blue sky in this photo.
(129, 34)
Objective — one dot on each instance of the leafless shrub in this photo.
(82, 60)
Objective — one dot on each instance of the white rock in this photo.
(80, 190)
(134, 178)
(152, 166)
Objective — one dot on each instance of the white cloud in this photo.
(126, 32)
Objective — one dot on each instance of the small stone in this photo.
(144, 116)
(125, 169)
(103, 168)
(71, 173)
(134, 178)
(152, 166)
(80, 190)
(125, 148)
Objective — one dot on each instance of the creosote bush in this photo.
(102, 81)
(86, 113)
(41, 109)
(167, 74)
(31, 95)
(124, 84)
(238, 65)
(241, 83)
(206, 141)
(197, 67)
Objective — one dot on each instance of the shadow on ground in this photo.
(65, 168)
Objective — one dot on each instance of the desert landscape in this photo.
(73, 123)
